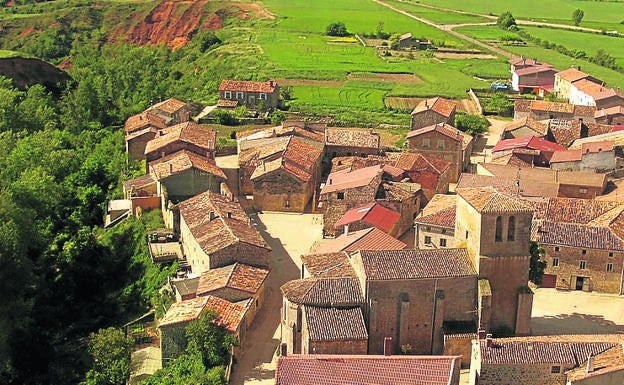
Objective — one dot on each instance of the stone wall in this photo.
(337, 347)
(436, 234)
(241, 252)
(280, 191)
(135, 147)
(190, 183)
(428, 118)
(332, 152)
(440, 146)
(334, 208)
(527, 374)
(459, 345)
(177, 146)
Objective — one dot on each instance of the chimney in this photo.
(481, 333)
(488, 340)
(161, 132)
(346, 230)
(388, 346)
(590, 364)
(229, 214)
(211, 215)
(283, 349)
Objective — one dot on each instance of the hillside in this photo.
(29, 71)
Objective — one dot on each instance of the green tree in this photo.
(224, 117)
(471, 124)
(507, 21)
(499, 103)
(110, 349)
(210, 340)
(277, 117)
(337, 29)
(537, 264)
(577, 16)
(241, 112)
(286, 92)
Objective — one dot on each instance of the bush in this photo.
(471, 124)
(337, 29)
(507, 21)
(224, 117)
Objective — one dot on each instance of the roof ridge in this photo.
(229, 278)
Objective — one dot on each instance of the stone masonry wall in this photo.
(527, 374)
(337, 347)
(334, 208)
(428, 118)
(439, 146)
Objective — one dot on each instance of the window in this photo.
(582, 190)
(583, 252)
(340, 196)
(583, 265)
(427, 240)
(511, 229)
(557, 248)
(499, 229)
(440, 144)
(442, 242)
(555, 369)
(555, 262)
(426, 143)
(239, 95)
(609, 267)
(228, 95)
(263, 97)
(428, 228)
(466, 234)
(611, 254)
(287, 204)
(443, 231)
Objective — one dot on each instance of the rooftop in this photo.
(490, 200)
(168, 106)
(352, 137)
(324, 292)
(571, 75)
(530, 142)
(237, 276)
(373, 214)
(344, 180)
(181, 161)
(333, 324)
(446, 130)
(188, 132)
(247, 86)
(440, 105)
(142, 120)
(328, 265)
(366, 239)
(440, 211)
(546, 175)
(409, 161)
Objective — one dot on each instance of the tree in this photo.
(286, 92)
(507, 21)
(110, 349)
(380, 31)
(337, 29)
(210, 340)
(499, 103)
(577, 16)
(471, 124)
(277, 117)
(224, 117)
(537, 265)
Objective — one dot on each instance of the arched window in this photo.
(511, 229)
(499, 229)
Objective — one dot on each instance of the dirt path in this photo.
(289, 235)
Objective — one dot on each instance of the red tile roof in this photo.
(237, 276)
(490, 200)
(328, 291)
(566, 156)
(409, 161)
(344, 180)
(444, 217)
(571, 75)
(446, 130)
(230, 315)
(317, 369)
(351, 137)
(530, 142)
(189, 132)
(367, 239)
(440, 105)
(247, 86)
(373, 214)
(143, 120)
(416, 264)
(181, 161)
(169, 106)
(332, 324)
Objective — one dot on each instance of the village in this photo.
(331, 259)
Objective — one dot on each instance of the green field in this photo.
(4, 54)
(437, 16)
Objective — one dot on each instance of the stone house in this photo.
(369, 215)
(173, 325)
(404, 198)
(591, 157)
(443, 141)
(370, 238)
(188, 136)
(173, 111)
(433, 174)
(613, 115)
(435, 226)
(585, 92)
(350, 142)
(249, 93)
(543, 149)
(541, 360)
(606, 368)
(367, 370)
(289, 182)
(433, 111)
(215, 231)
(184, 174)
(140, 129)
(543, 110)
(524, 127)
(251, 155)
(564, 80)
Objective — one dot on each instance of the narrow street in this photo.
(290, 236)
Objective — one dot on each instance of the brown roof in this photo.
(227, 103)
(409, 161)
(545, 175)
(189, 132)
(561, 349)
(140, 182)
(488, 200)
(328, 265)
(181, 161)
(589, 237)
(609, 361)
(540, 128)
(352, 137)
(526, 188)
(237, 276)
(247, 86)
(575, 210)
(230, 315)
(446, 130)
(318, 369)
(344, 180)
(522, 105)
(543, 105)
(332, 324)
(571, 75)
(143, 120)
(324, 292)
(169, 106)
(440, 105)
(565, 132)
(253, 151)
(596, 147)
(299, 159)
(230, 225)
(440, 211)
(366, 239)
(397, 191)
(566, 156)
(416, 264)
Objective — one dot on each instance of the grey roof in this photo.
(331, 324)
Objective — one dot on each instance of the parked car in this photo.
(500, 86)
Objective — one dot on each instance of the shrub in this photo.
(337, 29)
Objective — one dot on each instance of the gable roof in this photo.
(169, 106)
(575, 235)
(566, 156)
(440, 211)
(373, 214)
(571, 75)
(530, 142)
(237, 276)
(247, 86)
(299, 158)
(143, 120)
(333, 324)
(229, 315)
(366, 239)
(224, 229)
(324, 292)
(490, 200)
(181, 161)
(410, 161)
(416, 264)
(535, 70)
(439, 105)
(609, 361)
(344, 180)
(188, 132)
(319, 369)
(528, 122)
(352, 137)
(328, 265)
(446, 130)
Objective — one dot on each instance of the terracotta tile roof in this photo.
(446, 130)
(301, 153)
(332, 324)
(522, 106)
(409, 161)
(489, 200)
(611, 111)
(351, 163)
(589, 87)
(344, 180)
(328, 265)
(526, 187)
(443, 216)
(565, 131)
(517, 157)
(181, 161)
(397, 191)
(186, 286)
(540, 128)
(352, 137)
(237, 276)
(184, 311)
(337, 292)
(253, 151)
(535, 70)
(545, 175)
(299, 158)
(189, 132)
(366, 239)
(440, 105)
(247, 86)
(227, 103)
(143, 120)
(169, 106)
(590, 237)
(574, 210)
(416, 264)
(588, 111)
(230, 315)
(530, 142)
(571, 75)
(373, 214)
(317, 369)
(545, 106)
(561, 349)
(566, 156)
(609, 361)
(594, 129)
(222, 231)
(140, 182)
